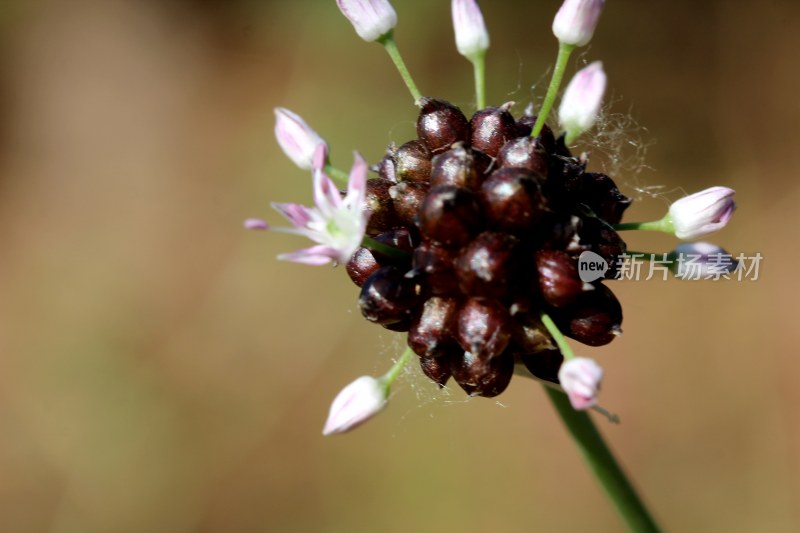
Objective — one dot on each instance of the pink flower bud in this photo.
(296, 138)
(372, 19)
(256, 224)
(580, 378)
(582, 100)
(357, 403)
(471, 36)
(702, 213)
(576, 20)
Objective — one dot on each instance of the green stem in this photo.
(561, 341)
(564, 51)
(664, 224)
(603, 464)
(339, 176)
(391, 251)
(570, 137)
(390, 45)
(479, 69)
(394, 372)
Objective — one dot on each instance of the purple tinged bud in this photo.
(701, 260)
(256, 224)
(702, 213)
(372, 19)
(580, 378)
(355, 404)
(582, 100)
(576, 20)
(472, 39)
(297, 140)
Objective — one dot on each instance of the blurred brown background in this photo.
(161, 371)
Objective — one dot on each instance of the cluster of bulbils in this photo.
(468, 238)
(491, 221)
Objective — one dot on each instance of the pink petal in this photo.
(357, 182)
(316, 255)
(319, 157)
(326, 196)
(297, 214)
(256, 224)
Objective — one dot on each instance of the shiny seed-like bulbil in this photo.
(459, 166)
(491, 128)
(431, 334)
(450, 216)
(412, 162)
(525, 152)
(484, 327)
(388, 297)
(486, 266)
(512, 200)
(595, 317)
(441, 124)
(557, 277)
(483, 378)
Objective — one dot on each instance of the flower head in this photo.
(700, 260)
(575, 22)
(372, 19)
(296, 138)
(355, 404)
(337, 224)
(580, 378)
(702, 213)
(582, 100)
(471, 36)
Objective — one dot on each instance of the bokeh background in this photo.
(160, 371)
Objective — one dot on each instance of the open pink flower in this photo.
(337, 224)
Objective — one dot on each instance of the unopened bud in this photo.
(702, 213)
(372, 19)
(472, 39)
(575, 22)
(582, 100)
(355, 404)
(296, 138)
(580, 378)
